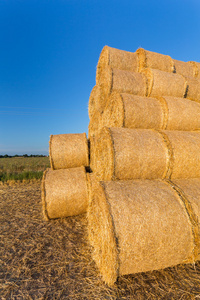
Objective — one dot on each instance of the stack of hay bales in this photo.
(142, 192)
(144, 206)
(64, 186)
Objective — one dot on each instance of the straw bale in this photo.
(131, 111)
(92, 153)
(183, 114)
(123, 153)
(165, 84)
(64, 192)
(149, 59)
(114, 80)
(137, 226)
(185, 146)
(189, 191)
(116, 59)
(184, 68)
(95, 124)
(68, 151)
(196, 67)
(193, 89)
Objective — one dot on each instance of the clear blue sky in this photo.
(49, 51)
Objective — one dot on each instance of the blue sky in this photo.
(49, 51)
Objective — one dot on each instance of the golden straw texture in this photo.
(68, 151)
(122, 153)
(196, 66)
(114, 80)
(165, 84)
(130, 111)
(138, 226)
(64, 192)
(184, 68)
(116, 59)
(193, 89)
(149, 59)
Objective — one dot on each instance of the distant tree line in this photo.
(24, 155)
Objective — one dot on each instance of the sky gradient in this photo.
(49, 51)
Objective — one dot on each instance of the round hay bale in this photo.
(130, 111)
(116, 59)
(92, 153)
(137, 226)
(185, 156)
(95, 124)
(149, 59)
(95, 101)
(165, 84)
(193, 89)
(68, 151)
(64, 192)
(184, 68)
(196, 66)
(114, 80)
(123, 153)
(183, 114)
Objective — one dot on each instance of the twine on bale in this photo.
(164, 84)
(116, 59)
(68, 151)
(153, 60)
(138, 226)
(64, 192)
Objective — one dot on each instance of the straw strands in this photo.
(68, 151)
(137, 226)
(64, 192)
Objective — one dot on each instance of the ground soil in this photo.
(52, 260)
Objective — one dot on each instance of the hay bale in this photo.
(183, 114)
(153, 60)
(95, 124)
(92, 153)
(193, 89)
(123, 153)
(184, 68)
(165, 84)
(64, 192)
(68, 151)
(185, 157)
(96, 101)
(116, 59)
(196, 67)
(114, 80)
(126, 154)
(130, 111)
(138, 226)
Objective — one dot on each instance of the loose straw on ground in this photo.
(64, 192)
(68, 151)
(125, 154)
(139, 226)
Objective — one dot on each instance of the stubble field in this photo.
(52, 260)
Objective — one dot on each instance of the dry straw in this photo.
(149, 59)
(68, 151)
(114, 80)
(196, 66)
(96, 101)
(64, 192)
(124, 154)
(184, 68)
(193, 89)
(165, 84)
(116, 59)
(130, 111)
(95, 124)
(138, 226)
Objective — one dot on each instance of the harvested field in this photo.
(52, 260)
